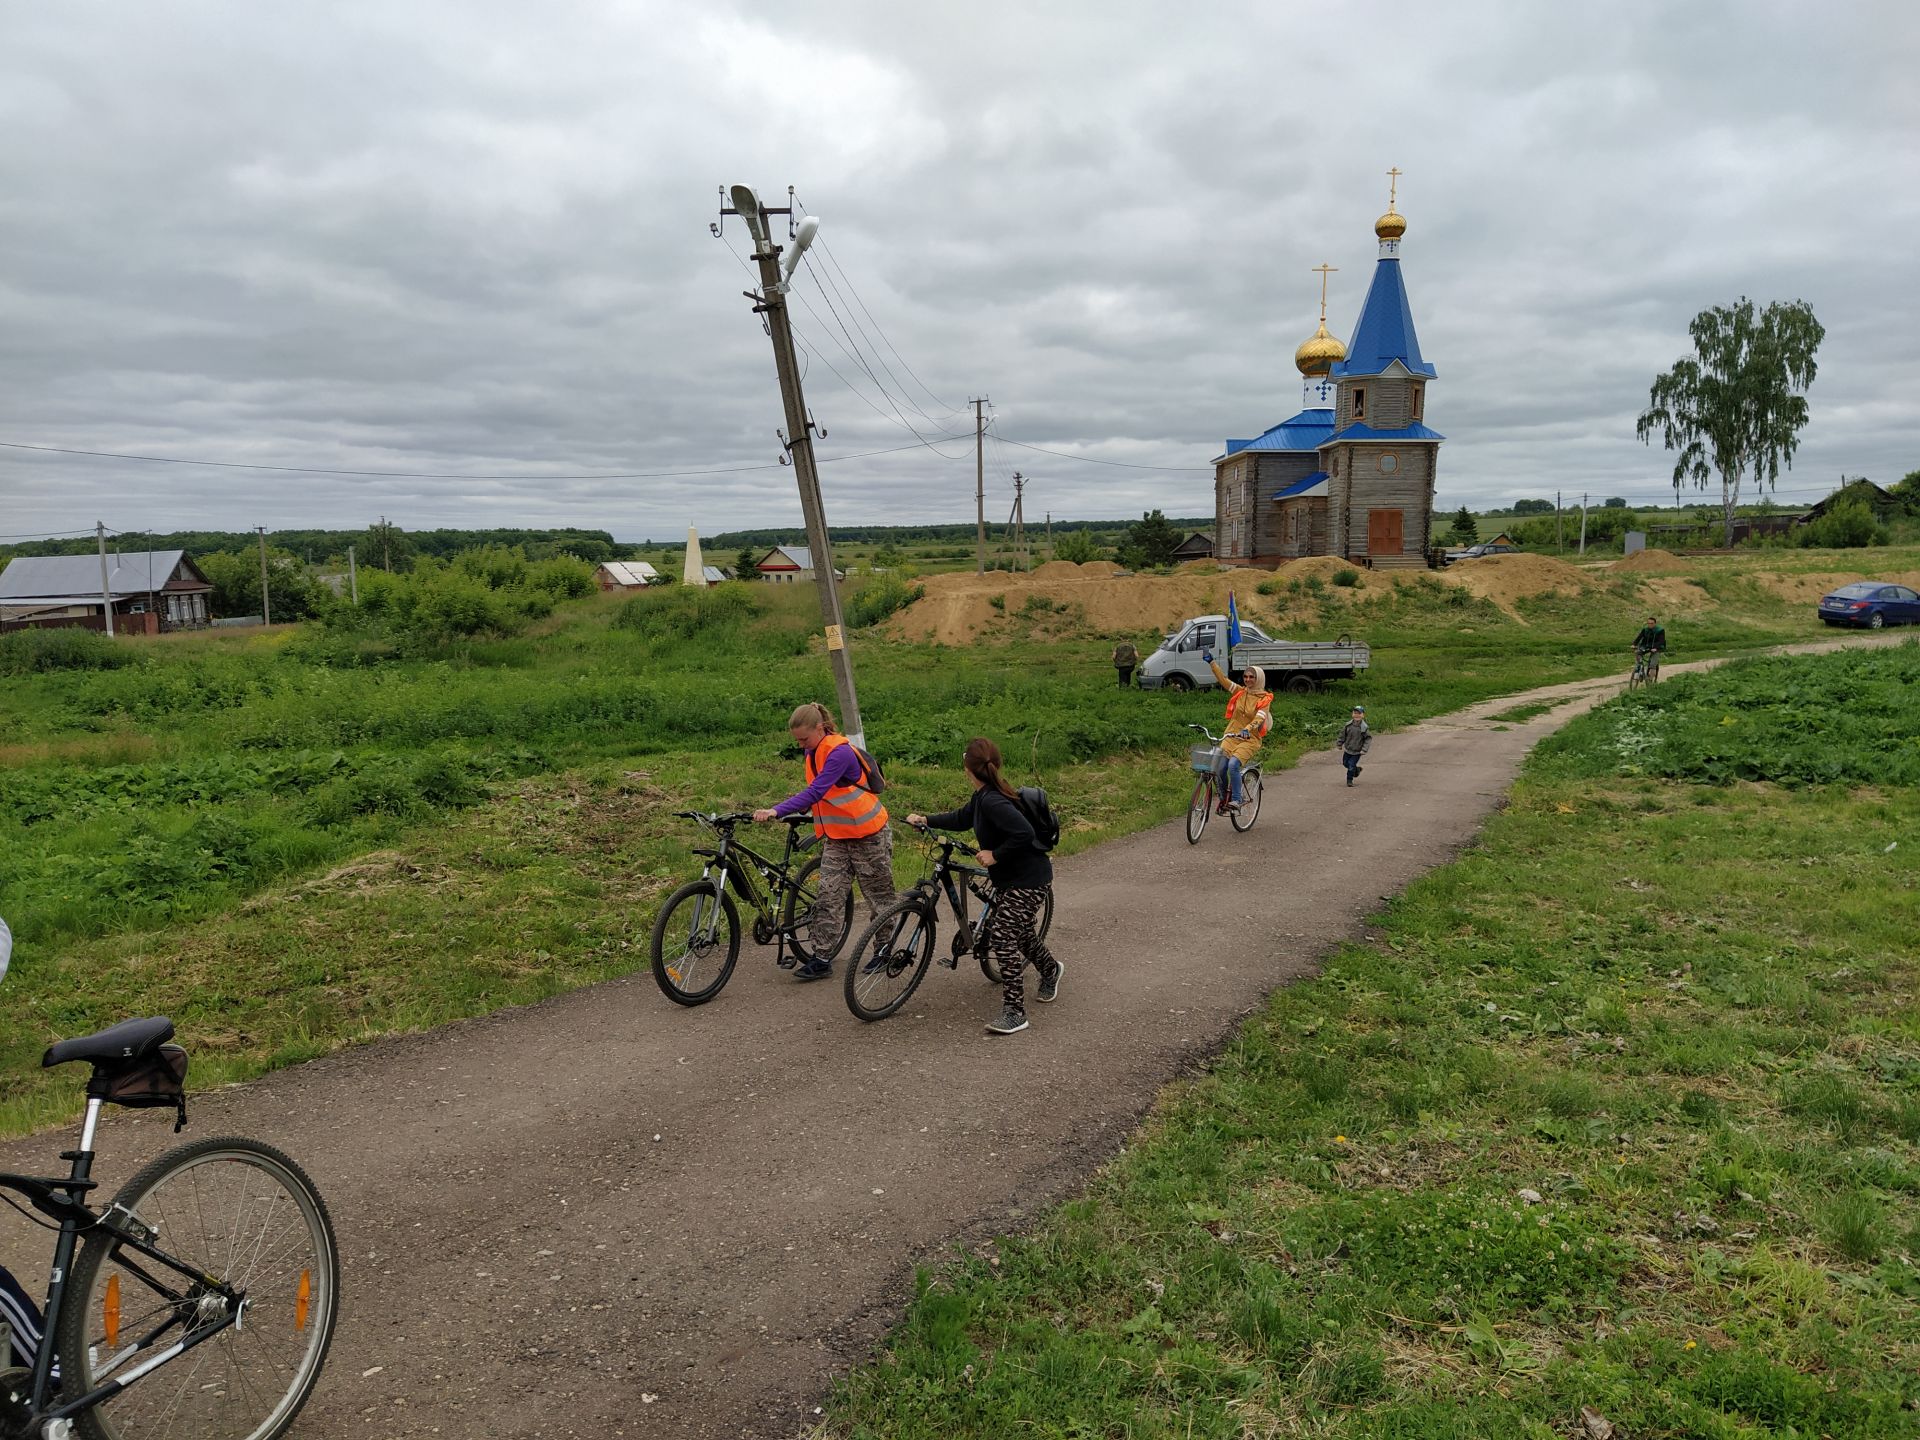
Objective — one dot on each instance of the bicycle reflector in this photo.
(302, 1298)
(110, 1312)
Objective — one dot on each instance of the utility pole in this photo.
(1559, 530)
(386, 549)
(1049, 534)
(106, 590)
(266, 605)
(798, 437)
(353, 578)
(979, 490)
(1583, 522)
(1019, 523)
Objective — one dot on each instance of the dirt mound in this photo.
(1653, 562)
(1504, 579)
(1675, 595)
(1811, 587)
(959, 608)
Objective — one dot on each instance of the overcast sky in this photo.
(471, 238)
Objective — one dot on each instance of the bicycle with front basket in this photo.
(1209, 763)
(696, 936)
(893, 953)
(199, 1302)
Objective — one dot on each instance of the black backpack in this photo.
(1039, 813)
(871, 780)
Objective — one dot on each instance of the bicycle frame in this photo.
(726, 855)
(63, 1200)
(940, 879)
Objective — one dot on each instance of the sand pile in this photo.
(1671, 595)
(1653, 562)
(1325, 567)
(1504, 579)
(1810, 588)
(958, 608)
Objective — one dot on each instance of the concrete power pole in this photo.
(266, 605)
(106, 589)
(1559, 530)
(1583, 523)
(979, 490)
(353, 578)
(772, 302)
(1019, 523)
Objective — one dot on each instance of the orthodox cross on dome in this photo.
(1393, 185)
(1324, 270)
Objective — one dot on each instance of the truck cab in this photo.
(1177, 662)
(1297, 666)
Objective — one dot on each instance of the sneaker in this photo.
(813, 970)
(1011, 1021)
(1350, 775)
(1358, 768)
(1050, 984)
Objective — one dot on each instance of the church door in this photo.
(1383, 532)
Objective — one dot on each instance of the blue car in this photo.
(1872, 604)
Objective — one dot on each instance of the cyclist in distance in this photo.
(1249, 717)
(848, 816)
(1652, 640)
(1020, 874)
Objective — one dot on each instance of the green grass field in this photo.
(1619, 1114)
(302, 838)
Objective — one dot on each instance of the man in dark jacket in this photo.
(1125, 657)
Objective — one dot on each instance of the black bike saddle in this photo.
(129, 1040)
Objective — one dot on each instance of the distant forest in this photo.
(379, 547)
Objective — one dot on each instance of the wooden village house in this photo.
(625, 575)
(150, 591)
(788, 565)
(1352, 474)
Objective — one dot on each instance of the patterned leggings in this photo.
(1011, 937)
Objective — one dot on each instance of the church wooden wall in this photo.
(1389, 402)
(1233, 508)
(1357, 486)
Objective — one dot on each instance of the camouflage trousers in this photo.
(870, 861)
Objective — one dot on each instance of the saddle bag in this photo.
(160, 1080)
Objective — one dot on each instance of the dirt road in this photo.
(608, 1216)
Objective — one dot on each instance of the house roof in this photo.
(712, 574)
(1385, 332)
(1360, 430)
(1314, 484)
(796, 555)
(630, 572)
(1874, 496)
(129, 572)
(1308, 430)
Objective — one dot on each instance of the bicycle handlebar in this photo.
(947, 838)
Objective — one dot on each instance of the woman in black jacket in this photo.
(1020, 873)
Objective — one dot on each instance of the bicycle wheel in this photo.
(696, 939)
(983, 947)
(1198, 809)
(245, 1214)
(890, 958)
(797, 914)
(1249, 810)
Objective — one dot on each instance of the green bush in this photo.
(1849, 525)
(29, 652)
(1346, 578)
(686, 612)
(879, 598)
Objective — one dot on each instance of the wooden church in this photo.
(1352, 473)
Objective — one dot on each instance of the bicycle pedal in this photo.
(787, 962)
(952, 962)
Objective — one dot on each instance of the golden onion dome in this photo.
(1318, 355)
(1390, 226)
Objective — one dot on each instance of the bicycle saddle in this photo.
(129, 1040)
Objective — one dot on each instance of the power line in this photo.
(1095, 460)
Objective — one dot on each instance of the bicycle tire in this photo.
(794, 921)
(984, 948)
(671, 975)
(1249, 810)
(1198, 809)
(197, 1393)
(898, 944)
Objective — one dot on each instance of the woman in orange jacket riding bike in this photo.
(1249, 717)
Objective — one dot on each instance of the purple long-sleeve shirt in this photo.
(842, 768)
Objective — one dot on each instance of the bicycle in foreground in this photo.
(696, 936)
(1646, 669)
(893, 953)
(1209, 762)
(203, 1296)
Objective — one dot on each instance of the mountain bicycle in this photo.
(892, 954)
(204, 1296)
(1646, 669)
(1210, 764)
(696, 936)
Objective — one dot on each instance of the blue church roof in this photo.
(1308, 430)
(1300, 487)
(1385, 332)
(1360, 430)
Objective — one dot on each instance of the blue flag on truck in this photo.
(1233, 621)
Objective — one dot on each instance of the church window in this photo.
(1419, 398)
(1389, 462)
(1359, 402)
